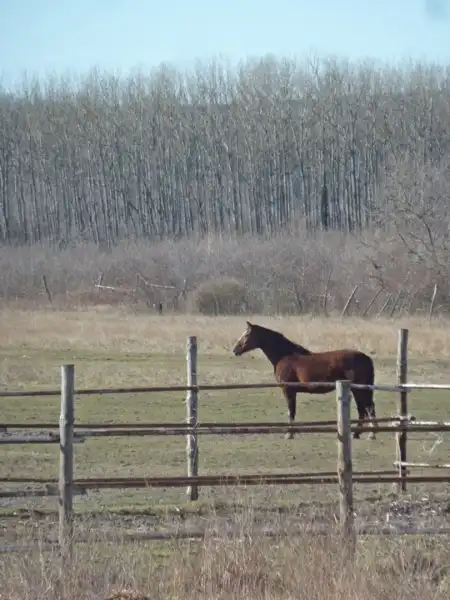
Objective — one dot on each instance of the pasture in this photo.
(113, 347)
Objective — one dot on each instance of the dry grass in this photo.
(107, 329)
(244, 566)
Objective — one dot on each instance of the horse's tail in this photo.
(369, 372)
(364, 373)
(363, 369)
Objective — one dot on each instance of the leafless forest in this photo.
(275, 186)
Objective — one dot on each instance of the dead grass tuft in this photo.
(127, 595)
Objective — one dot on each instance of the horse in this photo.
(294, 363)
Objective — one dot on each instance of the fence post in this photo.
(191, 415)
(344, 464)
(402, 408)
(66, 423)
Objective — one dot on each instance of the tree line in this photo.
(256, 149)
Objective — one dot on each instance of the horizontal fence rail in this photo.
(51, 483)
(219, 430)
(222, 387)
(23, 439)
(245, 480)
(170, 425)
(382, 426)
(47, 492)
(421, 465)
(166, 389)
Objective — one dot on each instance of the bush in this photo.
(224, 296)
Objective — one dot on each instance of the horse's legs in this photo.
(371, 414)
(366, 410)
(290, 395)
(361, 414)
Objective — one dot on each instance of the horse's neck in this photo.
(285, 348)
(302, 351)
(271, 353)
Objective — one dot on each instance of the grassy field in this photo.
(110, 347)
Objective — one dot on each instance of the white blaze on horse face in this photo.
(240, 344)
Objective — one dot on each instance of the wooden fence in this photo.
(65, 486)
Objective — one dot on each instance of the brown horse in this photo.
(293, 363)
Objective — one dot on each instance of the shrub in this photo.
(224, 296)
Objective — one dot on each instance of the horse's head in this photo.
(248, 341)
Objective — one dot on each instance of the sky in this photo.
(61, 37)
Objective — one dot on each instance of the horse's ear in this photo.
(249, 325)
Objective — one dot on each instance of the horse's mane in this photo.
(287, 346)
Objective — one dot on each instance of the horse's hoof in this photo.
(356, 436)
(372, 436)
(289, 436)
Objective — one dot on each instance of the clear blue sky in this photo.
(68, 36)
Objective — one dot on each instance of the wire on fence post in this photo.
(191, 415)
(66, 424)
(402, 408)
(344, 464)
